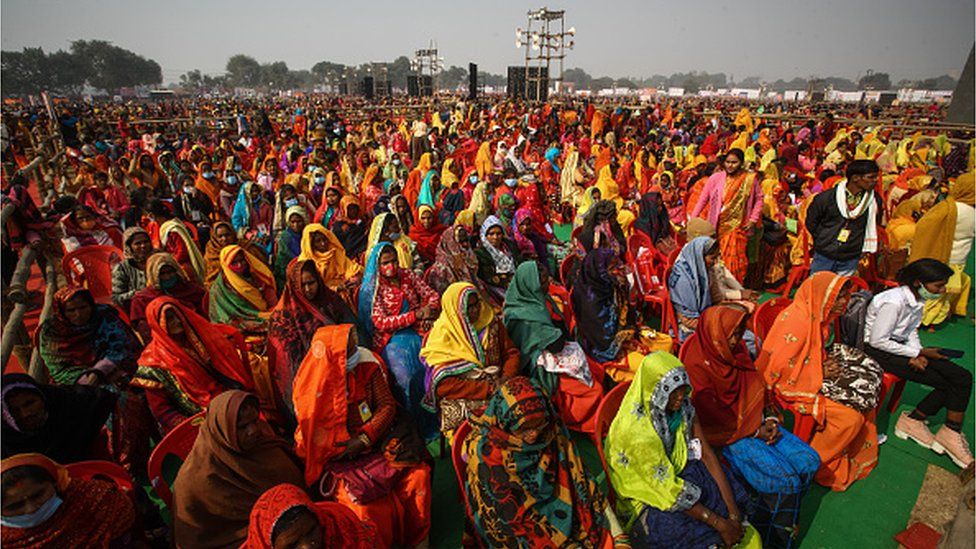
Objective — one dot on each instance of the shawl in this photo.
(688, 282)
(69, 350)
(214, 365)
(454, 263)
(593, 298)
(427, 197)
(219, 482)
(526, 246)
(452, 204)
(453, 346)
(94, 513)
(504, 262)
(351, 233)
(791, 360)
(935, 231)
(75, 417)
(190, 294)
(609, 190)
(867, 205)
(334, 265)
(127, 237)
(85, 237)
(341, 528)
(729, 392)
(504, 201)
(406, 220)
(480, 205)
(426, 239)
(234, 298)
(367, 291)
(529, 495)
(643, 455)
(176, 227)
(653, 220)
(529, 323)
(403, 245)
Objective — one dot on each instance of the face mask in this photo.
(187, 190)
(473, 179)
(34, 519)
(396, 161)
(511, 182)
(927, 295)
(169, 284)
(388, 270)
(208, 175)
(352, 361)
(291, 202)
(237, 168)
(319, 180)
(394, 236)
(232, 180)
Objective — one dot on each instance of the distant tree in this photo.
(691, 84)
(24, 72)
(749, 82)
(626, 83)
(601, 83)
(67, 72)
(398, 71)
(243, 70)
(875, 81)
(111, 67)
(579, 77)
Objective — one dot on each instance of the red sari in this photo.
(341, 528)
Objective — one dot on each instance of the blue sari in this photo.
(688, 283)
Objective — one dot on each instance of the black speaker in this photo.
(413, 86)
(472, 81)
(426, 86)
(533, 86)
(817, 97)
(961, 108)
(367, 88)
(343, 88)
(516, 82)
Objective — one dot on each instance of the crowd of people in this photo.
(327, 288)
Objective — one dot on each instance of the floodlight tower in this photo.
(545, 39)
(427, 62)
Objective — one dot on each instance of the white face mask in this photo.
(511, 182)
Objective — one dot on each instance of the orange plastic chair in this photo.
(460, 466)
(890, 383)
(104, 470)
(177, 443)
(91, 267)
(604, 418)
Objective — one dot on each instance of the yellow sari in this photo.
(334, 266)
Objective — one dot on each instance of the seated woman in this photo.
(386, 228)
(669, 483)
(164, 277)
(129, 275)
(285, 516)
(426, 233)
(904, 219)
(236, 458)
(253, 216)
(350, 227)
(497, 257)
(348, 422)
(838, 386)
(539, 326)
(43, 506)
(223, 236)
(288, 243)
(457, 262)
(531, 244)
(655, 221)
(84, 227)
(731, 401)
(243, 293)
(398, 309)
(306, 304)
(891, 337)
(188, 362)
(63, 423)
(339, 273)
(469, 354)
(527, 486)
(601, 230)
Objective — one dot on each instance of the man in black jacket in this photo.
(843, 221)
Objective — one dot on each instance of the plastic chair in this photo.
(177, 443)
(682, 352)
(565, 268)
(460, 466)
(91, 267)
(652, 281)
(765, 315)
(105, 470)
(605, 413)
(896, 386)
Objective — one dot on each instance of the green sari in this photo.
(529, 324)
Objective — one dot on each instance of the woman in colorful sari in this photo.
(175, 238)
(469, 354)
(531, 244)
(822, 383)
(43, 506)
(188, 363)
(734, 199)
(330, 198)
(655, 222)
(426, 233)
(288, 244)
(505, 209)
(901, 228)
(129, 276)
(347, 424)
(285, 516)
(400, 209)
(540, 326)
(456, 261)
(236, 458)
(387, 228)
(731, 400)
(350, 227)
(253, 216)
(164, 277)
(497, 257)
(339, 272)
(223, 236)
(306, 305)
(672, 490)
(83, 227)
(243, 293)
(527, 486)
(398, 309)
(945, 233)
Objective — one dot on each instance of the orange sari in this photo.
(732, 240)
(792, 362)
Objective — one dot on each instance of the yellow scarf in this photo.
(454, 338)
(244, 288)
(334, 266)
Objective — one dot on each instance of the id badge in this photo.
(694, 449)
(364, 412)
(843, 235)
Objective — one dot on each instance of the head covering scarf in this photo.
(84, 236)
(503, 203)
(210, 366)
(341, 528)
(526, 247)
(935, 231)
(426, 239)
(334, 266)
(688, 282)
(698, 226)
(534, 495)
(427, 196)
(197, 262)
(220, 481)
(75, 417)
(127, 238)
(594, 300)
(729, 391)
(406, 220)
(529, 322)
(454, 344)
(654, 220)
(69, 350)
(480, 205)
(367, 291)
(454, 263)
(504, 262)
(403, 244)
(644, 455)
(93, 513)
(233, 297)
(352, 233)
(792, 356)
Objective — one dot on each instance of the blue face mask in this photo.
(394, 236)
(319, 180)
(927, 295)
(34, 519)
(352, 361)
(208, 175)
(473, 179)
(237, 168)
(291, 202)
(396, 161)
(511, 182)
(232, 180)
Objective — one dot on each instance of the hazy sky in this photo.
(767, 38)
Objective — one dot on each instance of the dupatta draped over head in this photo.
(688, 282)
(334, 266)
(233, 297)
(529, 322)
(935, 231)
(534, 495)
(453, 345)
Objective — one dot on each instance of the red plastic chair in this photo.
(459, 460)
(890, 383)
(91, 267)
(652, 281)
(765, 315)
(604, 418)
(178, 443)
(105, 470)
